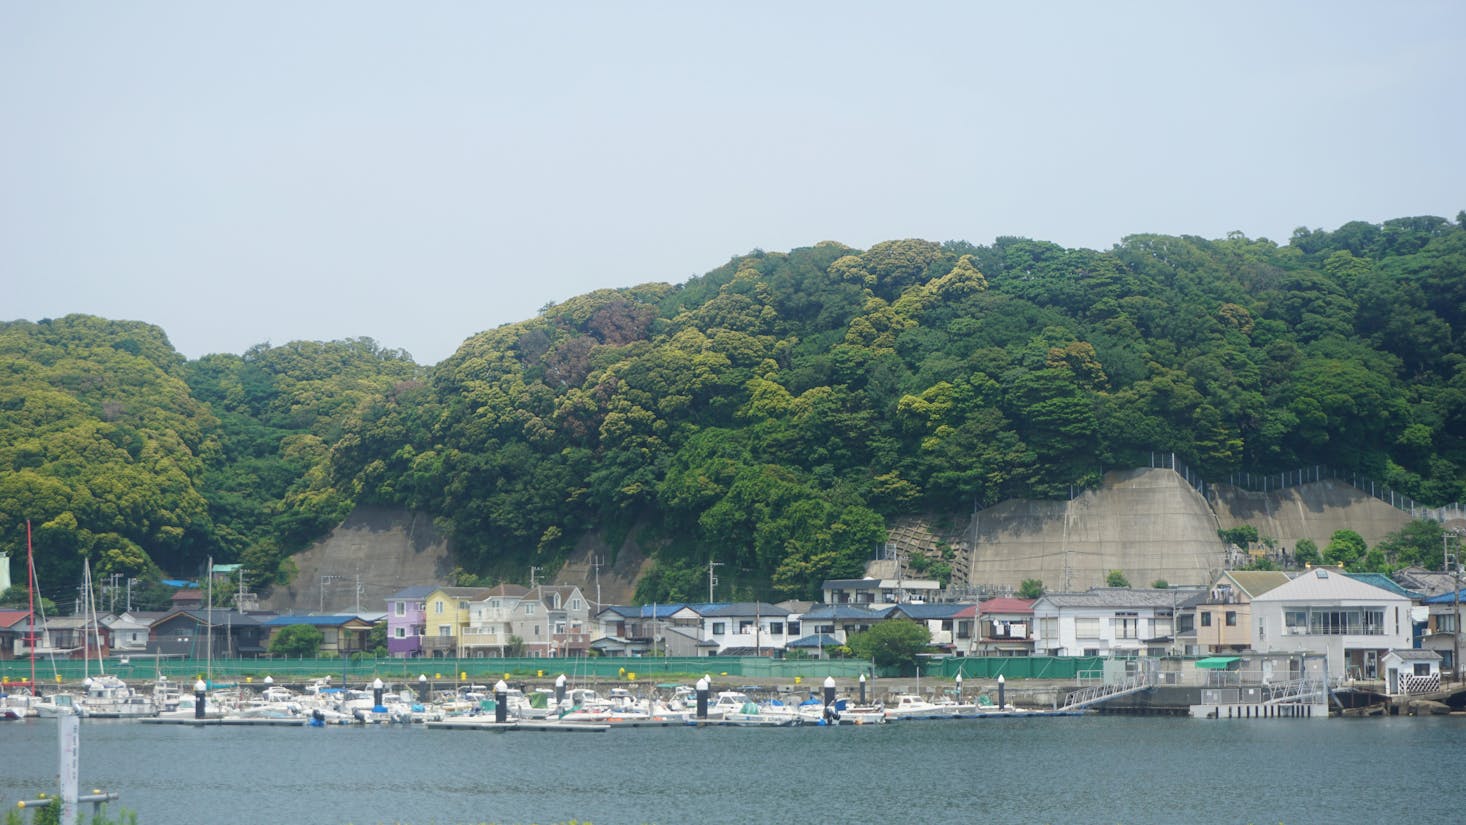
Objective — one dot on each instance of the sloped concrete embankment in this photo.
(1315, 510)
(1147, 523)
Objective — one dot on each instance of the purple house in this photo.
(406, 621)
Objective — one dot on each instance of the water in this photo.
(1091, 769)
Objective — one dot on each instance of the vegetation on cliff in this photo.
(773, 413)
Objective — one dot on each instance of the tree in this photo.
(1116, 578)
(1241, 536)
(1306, 552)
(1345, 547)
(1030, 589)
(377, 639)
(892, 643)
(297, 640)
(18, 598)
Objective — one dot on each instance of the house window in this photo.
(400, 608)
(1048, 628)
(463, 605)
(438, 606)
(1205, 618)
(776, 628)
(1087, 628)
(401, 632)
(529, 608)
(575, 603)
(1161, 627)
(445, 630)
(794, 628)
(745, 626)
(720, 628)
(1231, 618)
(1295, 622)
(1126, 627)
(824, 628)
(1445, 623)
(1186, 623)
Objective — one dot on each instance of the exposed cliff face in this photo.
(379, 550)
(1147, 523)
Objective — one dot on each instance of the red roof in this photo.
(11, 618)
(1008, 605)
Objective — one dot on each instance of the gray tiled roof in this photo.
(1126, 597)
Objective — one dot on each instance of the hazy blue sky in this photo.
(240, 173)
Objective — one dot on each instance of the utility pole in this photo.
(1453, 564)
(532, 571)
(595, 564)
(712, 579)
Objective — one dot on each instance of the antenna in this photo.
(532, 571)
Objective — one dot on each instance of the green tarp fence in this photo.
(1068, 668)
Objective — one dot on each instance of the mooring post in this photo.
(501, 701)
(1002, 700)
(862, 690)
(702, 698)
(377, 687)
(559, 690)
(200, 697)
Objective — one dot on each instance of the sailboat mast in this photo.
(209, 661)
(30, 586)
(91, 628)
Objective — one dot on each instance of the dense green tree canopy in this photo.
(772, 414)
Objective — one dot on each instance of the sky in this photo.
(247, 173)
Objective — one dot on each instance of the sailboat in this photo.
(106, 696)
(21, 698)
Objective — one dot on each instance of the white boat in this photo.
(736, 708)
(108, 697)
(16, 703)
(912, 706)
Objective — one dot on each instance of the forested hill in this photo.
(774, 413)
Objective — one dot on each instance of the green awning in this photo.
(1217, 662)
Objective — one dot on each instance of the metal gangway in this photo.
(1295, 692)
(1095, 694)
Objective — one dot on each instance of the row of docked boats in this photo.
(321, 703)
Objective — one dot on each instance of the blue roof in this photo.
(1447, 598)
(1384, 582)
(179, 583)
(928, 611)
(645, 611)
(845, 611)
(314, 621)
(819, 640)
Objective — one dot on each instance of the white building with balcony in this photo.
(1325, 611)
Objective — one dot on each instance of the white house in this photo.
(129, 632)
(1325, 611)
(874, 592)
(1107, 621)
(744, 628)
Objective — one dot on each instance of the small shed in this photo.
(1412, 671)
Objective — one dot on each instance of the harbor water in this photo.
(1088, 769)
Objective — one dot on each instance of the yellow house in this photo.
(446, 619)
(1224, 618)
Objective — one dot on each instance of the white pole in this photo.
(68, 774)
